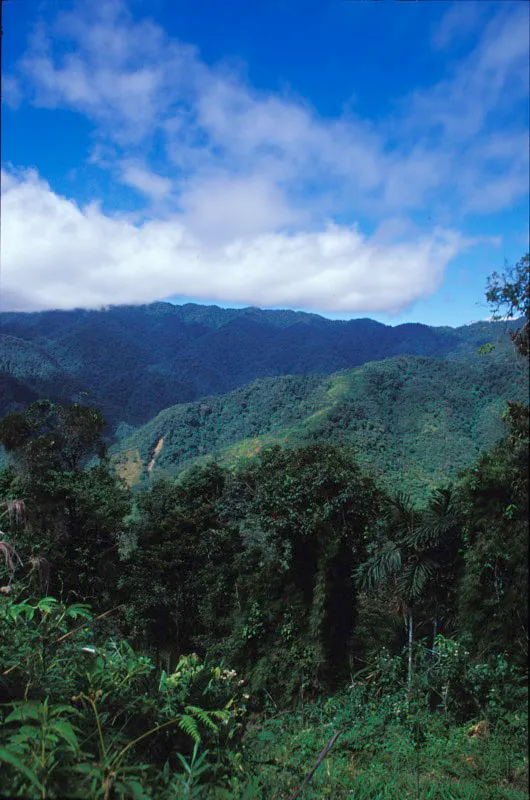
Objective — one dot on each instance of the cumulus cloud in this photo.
(221, 207)
(242, 199)
(58, 255)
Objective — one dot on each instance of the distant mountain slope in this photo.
(28, 369)
(15, 394)
(136, 360)
(414, 421)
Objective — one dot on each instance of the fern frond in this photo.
(222, 715)
(189, 726)
(203, 716)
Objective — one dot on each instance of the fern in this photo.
(189, 726)
(203, 716)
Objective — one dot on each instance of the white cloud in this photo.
(57, 255)
(244, 180)
(120, 73)
(221, 207)
(481, 87)
(145, 181)
(459, 22)
(12, 94)
(134, 81)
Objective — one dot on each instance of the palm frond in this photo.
(414, 577)
(436, 521)
(379, 567)
(11, 557)
(401, 515)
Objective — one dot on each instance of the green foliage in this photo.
(302, 517)
(414, 422)
(179, 572)
(235, 654)
(389, 747)
(493, 592)
(508, 296)
(74, 514)
(252, 566)
(85, 716)
(413, 559)
(509, 293)
(71, 530)
(137, 360)
(50, 437)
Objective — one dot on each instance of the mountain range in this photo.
(179, 383)
(134, 361)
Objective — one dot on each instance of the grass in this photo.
(377, 759)
(129, 466)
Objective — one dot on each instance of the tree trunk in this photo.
(409, 673)
(434, 633)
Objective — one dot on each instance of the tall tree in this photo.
(440, 535)
(493, 591)
(412, 558)
(508, 295)
(304, 520)
(74, 513)
(177, 577)
(393, 565)
(50, 437)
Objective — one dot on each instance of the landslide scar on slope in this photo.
(156, 451)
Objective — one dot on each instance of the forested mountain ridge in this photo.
(135, 361)
(413, 421)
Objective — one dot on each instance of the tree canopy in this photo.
(508, 295)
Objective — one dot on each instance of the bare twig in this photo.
(88, 622)
(318, 762)
(40, 567)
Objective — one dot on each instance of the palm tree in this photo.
(439, 537)
(417, 547)
(394, 566)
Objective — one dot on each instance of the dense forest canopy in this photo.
(412, 421)
(133, 361)
(209, 635)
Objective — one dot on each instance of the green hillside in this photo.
(134, 361)
(28, 372)
(413, 421)
(26, 360)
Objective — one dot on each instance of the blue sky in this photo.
(350, 158)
